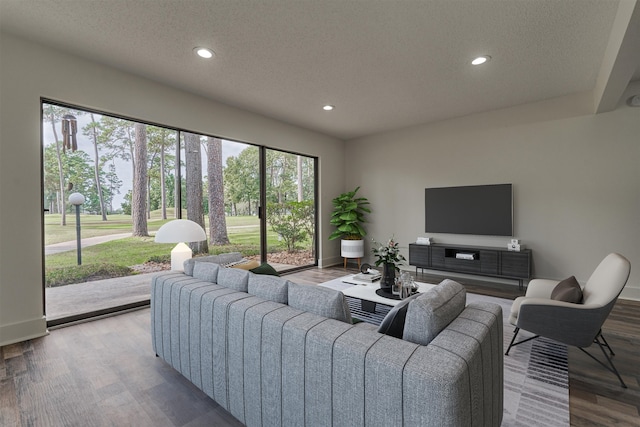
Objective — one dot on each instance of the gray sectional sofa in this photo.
(276, 353)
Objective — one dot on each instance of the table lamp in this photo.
(180, 231)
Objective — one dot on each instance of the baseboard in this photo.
(18, 332)
(330, 262)
(630, 293)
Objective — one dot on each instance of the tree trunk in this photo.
(177, 199)
(195, 210)
(61, 201)
(163, 189)
(217, 220)
(300, 192)
(139, 191)
(96, 168)
(148, 197)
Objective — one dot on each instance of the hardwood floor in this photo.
(103, 373)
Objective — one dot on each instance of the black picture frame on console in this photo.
(474, 209)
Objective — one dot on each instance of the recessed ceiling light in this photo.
(203, 52)
(634, 101)
(328, 107)
(481, 60)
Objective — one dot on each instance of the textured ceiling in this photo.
(384, 64)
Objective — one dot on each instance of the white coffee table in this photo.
(366, 292)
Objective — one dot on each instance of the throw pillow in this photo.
(393, 322)
(246, 264)
(567, 290)
(319, 300)
(268, 287)
(432, 311)
(265, 268)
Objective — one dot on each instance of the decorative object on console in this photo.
(388, 255)
(515, 245)
(423, 241)
(180, 231)
(348, 216)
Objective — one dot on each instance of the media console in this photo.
(478, 260)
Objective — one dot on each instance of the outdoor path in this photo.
(89, 241)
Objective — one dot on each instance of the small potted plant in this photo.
(388, 255)
(348, 217)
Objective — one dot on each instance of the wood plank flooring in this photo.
(103, 373)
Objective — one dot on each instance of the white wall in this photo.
(29, 72)
(576, 179)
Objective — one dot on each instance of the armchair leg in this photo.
(606, 343)
(513, 343)
(611, 368)
(515, 334)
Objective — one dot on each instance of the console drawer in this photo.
(515, 264)
(419, 255)
(437, 257)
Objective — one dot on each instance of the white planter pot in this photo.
(352, 248)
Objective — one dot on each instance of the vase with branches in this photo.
(388, 255)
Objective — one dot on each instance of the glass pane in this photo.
(126, 173)
(290, 195)
(222, 192)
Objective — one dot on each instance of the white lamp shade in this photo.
(76, 199)
(180, 230)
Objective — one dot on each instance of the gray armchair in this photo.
(573, 324)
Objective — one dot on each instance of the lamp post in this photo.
(77, 199)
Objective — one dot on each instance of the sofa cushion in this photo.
(567, 290)
(191, 262)
(319, 300)
(265, 268)
(432, 311)
(233, 278)
(268, 287)
(206, 271)
(393, 322)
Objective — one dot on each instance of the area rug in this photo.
(536, 374)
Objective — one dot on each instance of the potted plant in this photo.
(389, 256)
(348, 217)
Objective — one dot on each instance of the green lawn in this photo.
(92, 225)
(115, 257)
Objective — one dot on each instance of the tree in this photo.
(53, 114)
(159, 141)
(113, 183)
(241, 179)
(139, 200)
(289, 221)
(195, 212)
(91, 130)
(217, 220)
(77, 169)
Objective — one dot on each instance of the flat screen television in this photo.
(475, 209)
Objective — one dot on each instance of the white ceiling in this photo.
(384, 64)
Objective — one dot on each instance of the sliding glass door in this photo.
(134, 177)
(290, 209)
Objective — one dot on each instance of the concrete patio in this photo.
(81, 298)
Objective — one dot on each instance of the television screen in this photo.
(476, 209)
